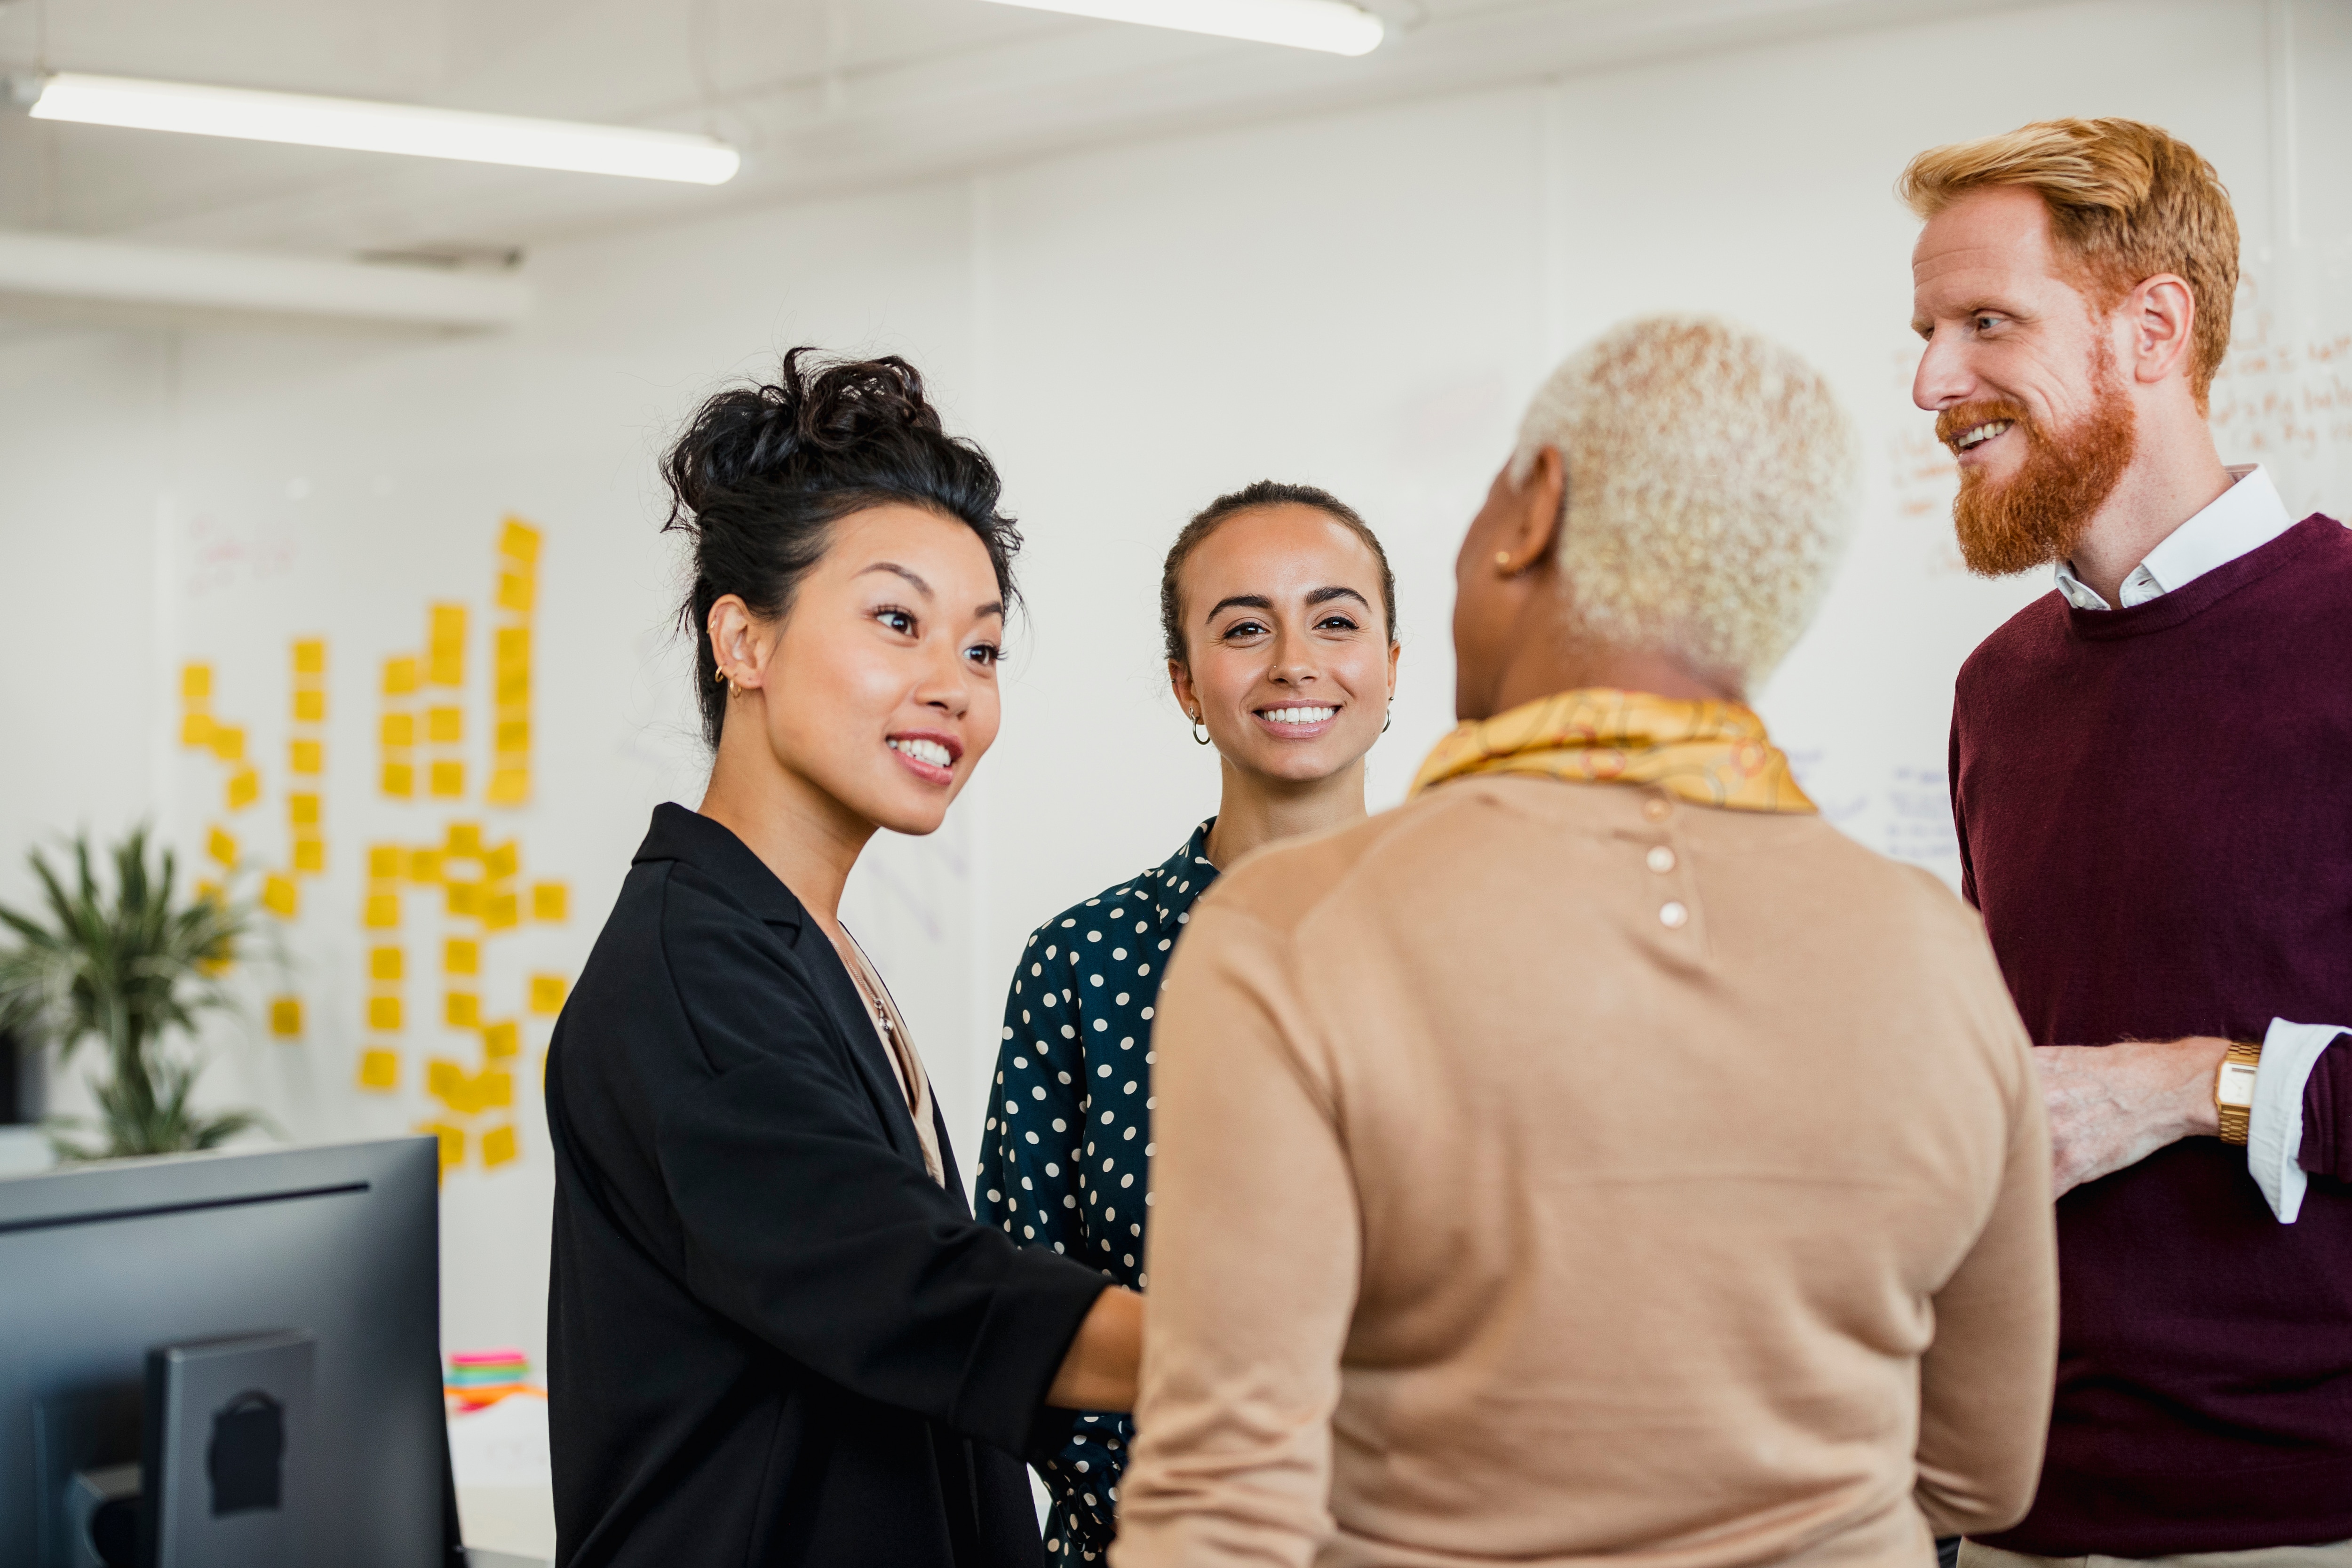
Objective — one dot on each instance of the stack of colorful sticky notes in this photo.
(477, 1378)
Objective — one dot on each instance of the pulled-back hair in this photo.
(763, 471)
(2126, 202)
(1251, 497)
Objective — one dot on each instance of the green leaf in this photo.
(131, 969)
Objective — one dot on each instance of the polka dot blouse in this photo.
(1066, 1144)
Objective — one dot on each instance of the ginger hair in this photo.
(2126, 200)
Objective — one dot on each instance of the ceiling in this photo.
(820, 95)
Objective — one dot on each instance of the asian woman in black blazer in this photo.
(776, 1334)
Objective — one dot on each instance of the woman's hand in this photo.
(1098, 1370)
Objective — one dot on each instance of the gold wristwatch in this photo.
(2233, 1091)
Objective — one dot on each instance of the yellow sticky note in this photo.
(196, 730)
(519, 540)
(498, 1146)
(447, 1083)
(386, 962)
(551, 900)
(453, 1143)
(310, 707)
(212, 890)
(382, 912)
(509, 786)
(379, 1069)
(445, 726)
(398, 731)
(493, 1088)
(399, 781)
(221, 847)
(461, 1010)
(464, 838)
(446, 668)
(461, 956)
(384, 1013)
(399, 675)
(514, 686)
(516, 592)
(448, 781)
(547, 994)
(310, 656)
(463, 899)
(306, 757)
(384, 861)
(228, 742)
(286, 1017)
(302, 809)
(195, 683)
(513, 646)
(244, 788)
(448, 624)
(513, 735)
(311, 856)
(279, 896)
(425, 865)
(501, 910)
(502, 1040)
(501, 861)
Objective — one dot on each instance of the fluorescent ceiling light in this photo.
(1331, 25)
(365, 127)
(129, 282)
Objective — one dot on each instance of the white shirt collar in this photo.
(2246, 516)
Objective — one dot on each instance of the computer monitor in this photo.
(279, 1312)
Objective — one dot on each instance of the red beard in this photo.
(2038, 515)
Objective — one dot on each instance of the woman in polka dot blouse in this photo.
(1279, 612)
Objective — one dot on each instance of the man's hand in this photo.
(2112, 1106)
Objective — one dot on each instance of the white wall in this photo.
(1359, 302)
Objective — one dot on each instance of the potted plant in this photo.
(125, 971)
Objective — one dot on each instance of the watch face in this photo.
(2236, 1086)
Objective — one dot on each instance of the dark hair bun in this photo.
(785, 429)
(762, 472)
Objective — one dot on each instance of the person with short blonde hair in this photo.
(1599, 1158)
(1683, 542)
(2146, 773)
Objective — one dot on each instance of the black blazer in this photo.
(771, 1338)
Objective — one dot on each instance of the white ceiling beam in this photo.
(50, 267)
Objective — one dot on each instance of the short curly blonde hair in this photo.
(1710, 489)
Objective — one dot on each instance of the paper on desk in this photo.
(504, 1445)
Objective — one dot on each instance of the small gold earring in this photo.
(719, 676)
(1503, 559)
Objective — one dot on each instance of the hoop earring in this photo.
(1200, 735)
(1390, 720)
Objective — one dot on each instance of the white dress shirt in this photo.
(2247, 515)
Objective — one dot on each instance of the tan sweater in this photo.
(1549, 1171)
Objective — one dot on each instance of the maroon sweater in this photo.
(2155, 814)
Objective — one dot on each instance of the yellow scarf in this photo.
(1711, 754)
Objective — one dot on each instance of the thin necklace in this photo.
(857, 972)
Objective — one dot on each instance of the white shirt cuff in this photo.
(2274, 1130)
